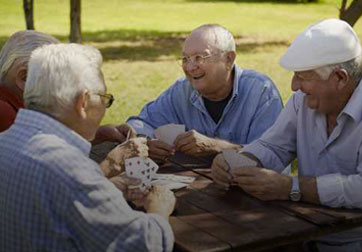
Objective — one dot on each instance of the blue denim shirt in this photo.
(254, 106)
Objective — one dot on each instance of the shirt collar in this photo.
(49, 125)
(354, 108)
(237, 73)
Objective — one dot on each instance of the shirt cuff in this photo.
(330, 190)
(168, 237)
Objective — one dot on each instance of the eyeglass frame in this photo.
(193, 59)
(109, 97)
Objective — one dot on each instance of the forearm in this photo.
(220, 145)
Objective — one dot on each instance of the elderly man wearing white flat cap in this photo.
(321, 125)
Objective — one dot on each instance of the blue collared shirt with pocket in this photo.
(253, 107)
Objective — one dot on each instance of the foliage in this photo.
(140, 39)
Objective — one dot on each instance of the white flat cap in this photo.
(330, 41)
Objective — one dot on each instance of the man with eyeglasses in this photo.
(221, 105)
(14, 58)
(53, 197)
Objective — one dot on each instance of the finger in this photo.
(245, 171)
(245, 181)
(183, 139)
(181, 136)
(158, 152)
(160, 145)
(189, 149)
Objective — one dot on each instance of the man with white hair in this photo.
(53, 197)
(321, 125)
(220, 104)
(14, 57)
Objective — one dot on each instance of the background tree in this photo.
(75, 24)
(352, 13)
(29, 14)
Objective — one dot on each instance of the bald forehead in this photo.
(200, 40)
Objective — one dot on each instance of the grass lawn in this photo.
(140, 39)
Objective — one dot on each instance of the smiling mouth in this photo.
(198, 77)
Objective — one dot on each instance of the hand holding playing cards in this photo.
(194, 143)
(159, 151)
(262, 183)
(219, 171)
(114, 162)
(113, 133)
(128, 187)
(160, 201)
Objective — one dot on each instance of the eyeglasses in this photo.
(197, 59)
(107, 99)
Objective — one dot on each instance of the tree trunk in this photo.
(75, 25)
(352, 13)
(28, 12)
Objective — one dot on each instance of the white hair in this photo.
(58, 73)
(223, 39)
(19, 47)
(353, 67)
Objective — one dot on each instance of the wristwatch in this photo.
(295, 194)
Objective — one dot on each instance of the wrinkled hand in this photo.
(114, 133)
(127, 186)
(161, 201)
(219, 171)
(262, 183)
(159, 151)
(114, 163)
(196, 144)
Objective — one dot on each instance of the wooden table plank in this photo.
(190, 238)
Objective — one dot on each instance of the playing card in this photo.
(168, 133)
(152, 165)
(175, 178)
(169, 184)
(235, 159)
(133, 166)
(141, 168)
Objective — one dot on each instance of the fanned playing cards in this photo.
(168, 133)
(235, 159)
(141, 168)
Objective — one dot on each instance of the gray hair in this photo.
(58, 73)
(223, 39)
(353, 67)
(18, 48)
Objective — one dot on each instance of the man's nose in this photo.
(191, 65)
(296, 85)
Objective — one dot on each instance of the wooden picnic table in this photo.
(209, 218)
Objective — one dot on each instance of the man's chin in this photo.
(198, 86)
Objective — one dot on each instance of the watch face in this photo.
(295, 196)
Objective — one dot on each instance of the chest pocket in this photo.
(343, 162)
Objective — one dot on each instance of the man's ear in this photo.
(230, 57)
(20, 78)
(81, 103)
(342, 77)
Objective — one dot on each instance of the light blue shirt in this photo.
(335, 160)
(254, 106)
(54, 198)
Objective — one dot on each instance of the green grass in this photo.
(140, 39)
